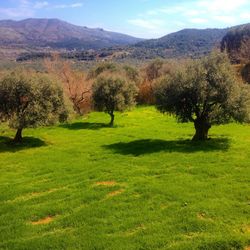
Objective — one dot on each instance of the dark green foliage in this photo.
(128, 72)
(205, 93)
(80, 55)
(27, 56)
(113, 94)
(30, 101)
(101, 68)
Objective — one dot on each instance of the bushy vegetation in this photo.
(245, 72)
(150, 75)
(201, 91)
(30, 101)
(75, 84)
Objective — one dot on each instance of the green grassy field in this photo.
(140, 185)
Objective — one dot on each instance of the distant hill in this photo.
(237, 43)
(184, 43)
(57, 34)
(36, 38)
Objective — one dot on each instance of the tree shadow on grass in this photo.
(7, 144)
(85, 125)
(149, 146)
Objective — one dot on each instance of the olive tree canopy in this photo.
(113, 93)
(30, 101)
(205, 92)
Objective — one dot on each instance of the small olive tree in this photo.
(30, 101)
(112, 93)
(205, 92)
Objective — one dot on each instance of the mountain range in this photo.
(53, 34)
(187, 42)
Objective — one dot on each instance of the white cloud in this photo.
(40, 5)
(22, 10)
(198, 20)
(65, 6)
(146, 23)
(245, 15)
(28, 9)
(16, 12)
(76, 5)
(149, 28)
(225, 19)
(172, 10)
(24, 2)
(152, 12)
(221, 5)
(199, 13)
(166, 10)
(194, 13)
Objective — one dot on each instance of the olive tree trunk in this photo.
(112, 116)
(201, 130)
(18, 137)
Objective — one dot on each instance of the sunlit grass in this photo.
(140, 185)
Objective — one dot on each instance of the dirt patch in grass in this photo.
(135, 230)
(33, 195)
(245, 229)
(192, 235)
(203, 216)
(115, 193)
(43, 221)
(247, 248)
(164, 206)
(106, 183)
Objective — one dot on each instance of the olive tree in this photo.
(127, 71)
(113, 93)
(30, 101)
(204, 92)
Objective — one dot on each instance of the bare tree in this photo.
(75, 84)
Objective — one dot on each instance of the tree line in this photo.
(205, 92)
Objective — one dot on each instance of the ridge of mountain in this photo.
(55, 33)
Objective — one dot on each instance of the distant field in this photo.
(140, 185)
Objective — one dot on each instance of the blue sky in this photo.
(141, 18)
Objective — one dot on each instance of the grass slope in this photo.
(140, 185)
